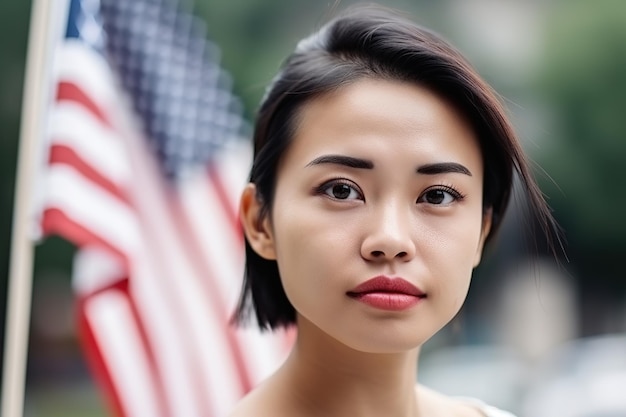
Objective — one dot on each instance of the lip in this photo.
(385, 293)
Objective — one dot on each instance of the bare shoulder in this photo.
(437, 404)
(241, 410)
(262, 401)
(250, 406)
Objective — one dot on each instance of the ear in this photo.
(258, 230)
(484, 232)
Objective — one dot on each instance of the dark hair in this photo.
(372, 42)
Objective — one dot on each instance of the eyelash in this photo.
(324, 187)
(456, 194)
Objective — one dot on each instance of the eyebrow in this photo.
(443, 168)
(359, 163)
(348, 161)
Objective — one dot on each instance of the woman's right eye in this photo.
(341, 190)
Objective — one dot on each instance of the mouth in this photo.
(385, 293)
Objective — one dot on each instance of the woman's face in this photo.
(377, 220)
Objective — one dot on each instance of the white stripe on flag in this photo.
(220, 245)
(111, 321)
(167, 334)
(272, 347)
(203, 333)
(223, 250)
(85, 67)
(92, 207)
(234, 165)
(74, 126)
(185, 283)
(95, 269)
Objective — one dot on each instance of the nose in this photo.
(389, 236)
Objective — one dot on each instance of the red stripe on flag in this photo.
(201, 392)
(61, 154)
(192, 246)
(55, 221)
(69, 91)
(174, 214)
(96, 360)
(229, 211)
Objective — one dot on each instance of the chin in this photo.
(387, 341)
(390, 349)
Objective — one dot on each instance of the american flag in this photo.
(145, 164)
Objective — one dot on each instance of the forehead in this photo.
(375, 118)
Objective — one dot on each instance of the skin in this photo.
(333, 227)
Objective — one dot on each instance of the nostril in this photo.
(380, 253)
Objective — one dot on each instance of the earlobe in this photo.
(255, 225)
(485, 229)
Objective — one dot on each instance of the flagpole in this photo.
(21, 267)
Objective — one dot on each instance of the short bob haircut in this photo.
(373, 42)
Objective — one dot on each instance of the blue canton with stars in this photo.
(171, 72)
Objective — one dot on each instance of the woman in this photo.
(383, 164)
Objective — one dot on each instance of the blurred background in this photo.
(540, 338)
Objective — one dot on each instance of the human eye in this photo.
(340, 189)
(440, 195)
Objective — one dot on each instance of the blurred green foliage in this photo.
(13, 34)
(584, 83)
(255, 36)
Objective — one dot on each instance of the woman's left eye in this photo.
(340, 190)
(440, 196)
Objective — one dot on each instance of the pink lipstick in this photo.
(393, 294)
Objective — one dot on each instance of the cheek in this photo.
(307, 232)
(317, 254)
(452, 249)
(305, 245)
(308, 272)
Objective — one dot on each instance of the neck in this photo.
(325, 377)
